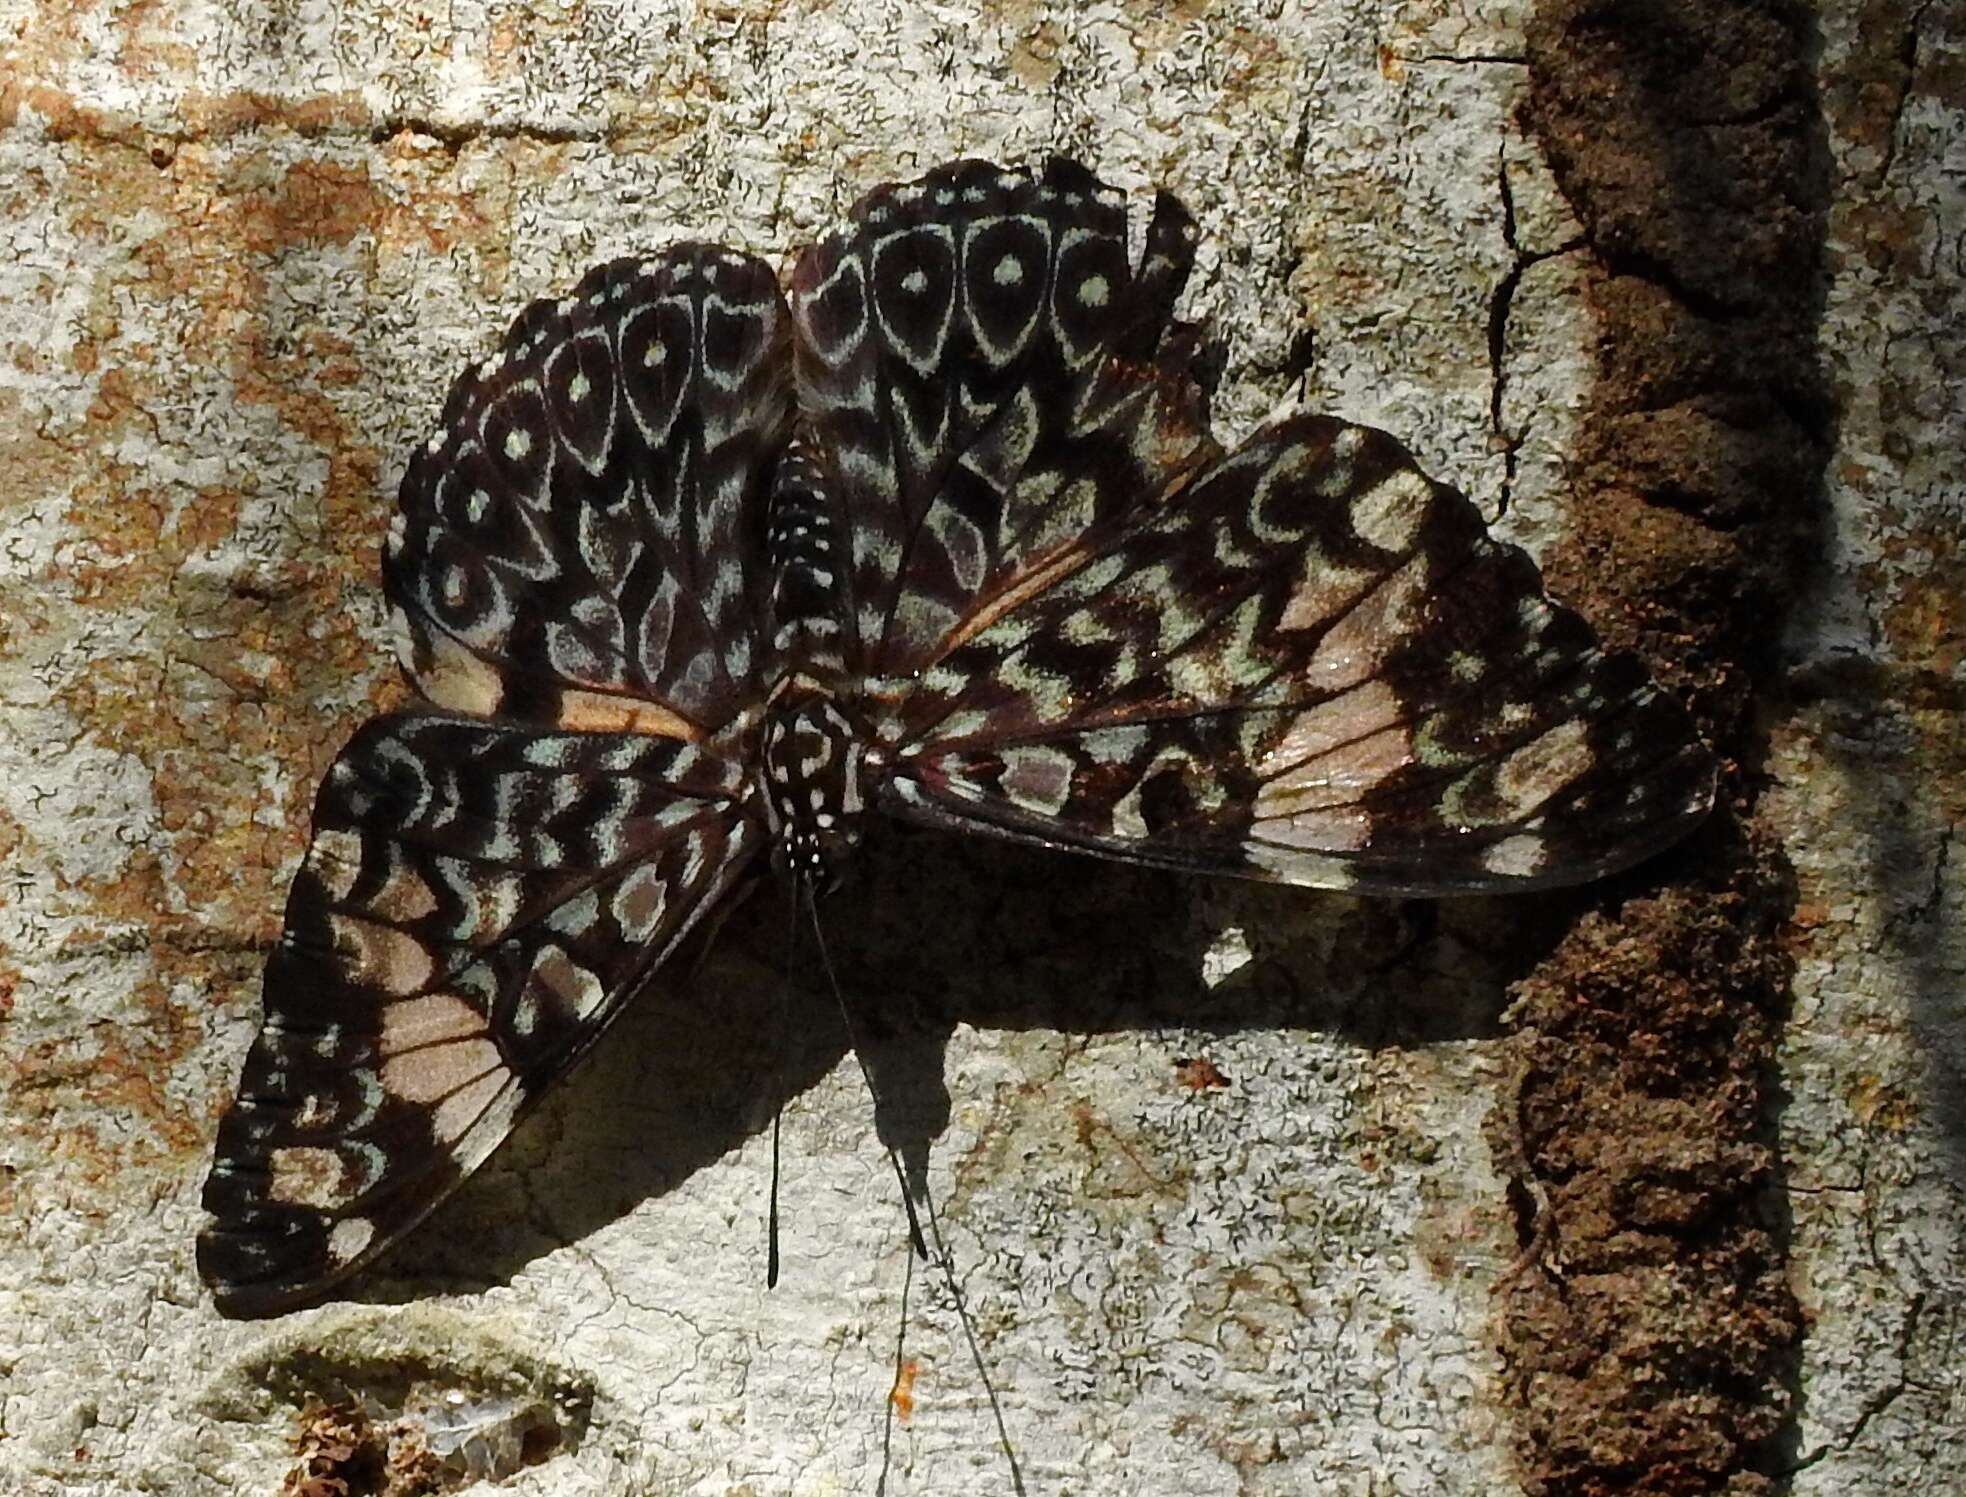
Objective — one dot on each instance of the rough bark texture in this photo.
(1249, 1190)
(1652, 1337)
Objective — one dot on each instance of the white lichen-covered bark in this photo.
(244, 247)
(1867, 756)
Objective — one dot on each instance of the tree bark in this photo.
(1659, 1186)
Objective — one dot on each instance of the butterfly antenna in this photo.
(778, 1082)
(947, 1260)
(915, 1238)
(942, 1256)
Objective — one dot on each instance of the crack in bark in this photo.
(1908, 48)
(161, 141)
(455, 138)
(1877, 1403)
(1472, 59)
(1500, 303)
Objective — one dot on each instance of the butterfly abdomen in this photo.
(803, 555)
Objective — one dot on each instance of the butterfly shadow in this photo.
(1008, 938)
(928, 933)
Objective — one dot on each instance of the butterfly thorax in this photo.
(811, 775)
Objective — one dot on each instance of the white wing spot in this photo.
(1093, 291)
(914, 283)
(1389, 514)
(639, 903)
(436, 1071)
(578, 388)
(1009, 271)
(376, 956)
(430, 1019)
(518, 442)
(349, 1237)
(1039, 778)
(336, 860)
(1543, 766)
(1514, 857)
(304, 1176)
(463, 1108)
(574, 989)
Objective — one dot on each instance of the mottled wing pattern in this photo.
(1000, 578)
(576, 568)
(1316, 667)
(477, 903)
(577, 544)
(989, 384)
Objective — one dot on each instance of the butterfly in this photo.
(695, 577)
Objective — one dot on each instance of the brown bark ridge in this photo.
(1650, 1337)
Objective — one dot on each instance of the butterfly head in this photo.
(811, 771)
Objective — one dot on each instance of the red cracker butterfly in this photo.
(695, 578)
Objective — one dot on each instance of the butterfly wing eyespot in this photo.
(1318, 668)
(477, 903)
(990, 385)
(579, 543)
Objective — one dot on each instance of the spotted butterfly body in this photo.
(694, 578)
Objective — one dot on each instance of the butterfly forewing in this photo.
(477, 902)
(1314, 667)
(578, 544)
(989, 386)
(577, 552)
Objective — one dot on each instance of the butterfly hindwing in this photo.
(477, 902)
(1316, 667)
(989, 383)
(578, 543)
